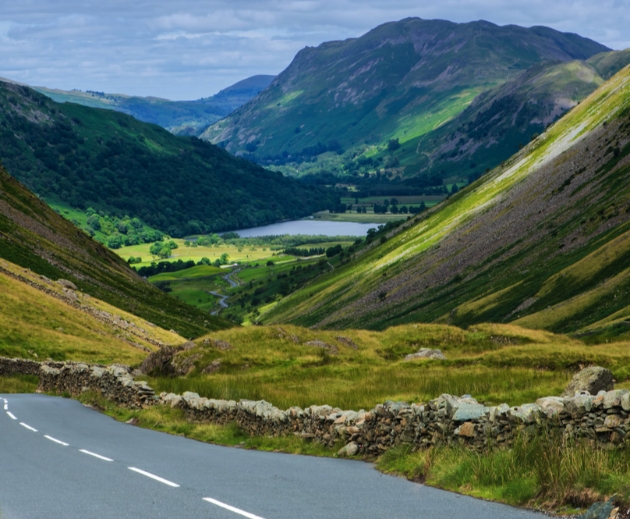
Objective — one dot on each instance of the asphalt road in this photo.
(59, 459)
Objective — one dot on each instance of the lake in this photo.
(311, 227)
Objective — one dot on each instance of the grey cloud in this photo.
(191, 48)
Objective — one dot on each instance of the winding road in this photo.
(223, 297)
(59, 459)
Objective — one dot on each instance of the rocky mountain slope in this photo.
(86, 157)
(501, 121)
(400, 80)
(178, 117)
(36, 238)
(542, 241)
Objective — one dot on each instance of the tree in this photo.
(114, 241)
(156, 248)
(454, 189)
(270, 263)
(393, 145)
(225, 258)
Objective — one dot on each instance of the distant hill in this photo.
(542, 241)
(109, 161)
(401, 81)
(34, 237)
(178, 117)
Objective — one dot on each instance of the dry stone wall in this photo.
(603, 418)
(114, 382)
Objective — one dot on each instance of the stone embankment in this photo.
(603, 418)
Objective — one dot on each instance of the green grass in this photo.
(494, 363)
(201, 271)
(18, 384)
(173, 421)
(541, 471)
(38, 326)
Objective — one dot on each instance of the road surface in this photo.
(59, 459)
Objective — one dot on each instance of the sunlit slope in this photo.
(34, 237)
(41, 319)
(547, 228)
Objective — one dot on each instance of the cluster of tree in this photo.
(333, 251)
(134, 260)
(314, 251)
(119, 165)
(163, 250)
(116, 232)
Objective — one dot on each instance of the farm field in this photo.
(368, 217)
(195, 254)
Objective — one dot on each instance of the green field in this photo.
(236, 254)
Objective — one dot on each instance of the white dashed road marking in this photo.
(55, 440)
(95, 455)
(11, 415)
(28, 427)
(231, 508)
(153, 476)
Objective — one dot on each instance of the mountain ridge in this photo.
(178, 117)
(383, 82)
(116, 164)
(531, 234)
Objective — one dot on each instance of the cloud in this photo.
(190, 49)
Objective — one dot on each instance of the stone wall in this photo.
(114, 382)
(604, 418)
(447, 419)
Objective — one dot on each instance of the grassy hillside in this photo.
(34, 237)
(357, 369)
(401, 80)
(41, 319)
(86, 157)
(540, 241)
(502, 120)
(178, 117)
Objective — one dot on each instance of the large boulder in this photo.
(592, 379)
(159, 362)
(426, 353)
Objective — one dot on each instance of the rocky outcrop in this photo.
(426, 353)
(592, 379)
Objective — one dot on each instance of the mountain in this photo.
(502, 120)
(109, 161)
(542, 241)
(178, 117)
(399, 81)
(34, 237)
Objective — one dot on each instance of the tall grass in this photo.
(544, 470)
(18, 384)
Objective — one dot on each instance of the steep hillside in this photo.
(41, 318)
(542, 241)
(178, 117)
(501, 121)
(86, 157)
(34, 237)
(400, 80)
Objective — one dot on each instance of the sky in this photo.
(188, 49)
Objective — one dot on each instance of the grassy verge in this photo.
(541, 472)
(173, 421)
(18, 384)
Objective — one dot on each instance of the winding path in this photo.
(59, 459)
(223, 297)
